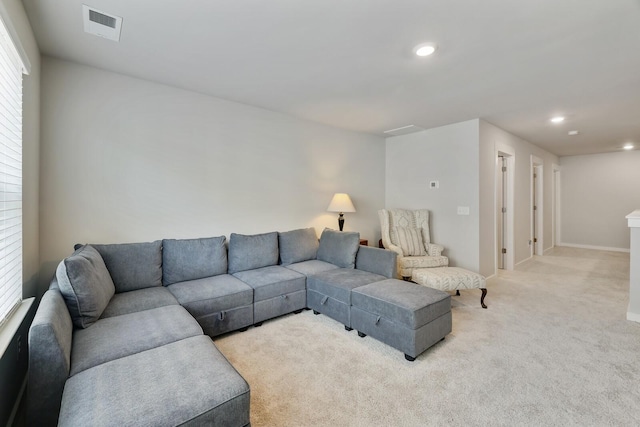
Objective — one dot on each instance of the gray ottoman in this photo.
(404, 315)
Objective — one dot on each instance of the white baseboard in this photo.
(634, 317)
(597, 248)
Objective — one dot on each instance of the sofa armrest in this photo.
(377, 261)
(434, 249)
(397, 249)
(50, 338)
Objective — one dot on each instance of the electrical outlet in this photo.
(434, 184)
(463, 210)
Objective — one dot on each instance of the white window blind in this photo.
(10, 175)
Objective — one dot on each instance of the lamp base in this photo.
(341, 221)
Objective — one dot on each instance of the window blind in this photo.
(10, 175)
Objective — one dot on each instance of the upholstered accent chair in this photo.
(406, 232)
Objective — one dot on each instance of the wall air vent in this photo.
(403, 130)
(101, 24)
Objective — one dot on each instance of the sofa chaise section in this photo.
(188, 382)
(121, 336)
(150, 360)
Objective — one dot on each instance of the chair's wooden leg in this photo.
(484, 294)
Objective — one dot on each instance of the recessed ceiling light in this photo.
(573, 132)
(425, 49)
(628, 147)
(557, 119)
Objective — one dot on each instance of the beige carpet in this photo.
(553, 348)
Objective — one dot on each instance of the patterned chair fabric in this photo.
(417, 219)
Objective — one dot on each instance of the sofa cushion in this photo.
(121, 336)
(85, 285)
(272, 281)
(190, 259)
(339, 247)
(187, 382)
(140, 300)
(255, 251)
(409, 240)
(338, 283)
(212, 294)
(133, 265)
(297, 245)
(313, 266)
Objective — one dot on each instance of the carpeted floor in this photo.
(553, 348)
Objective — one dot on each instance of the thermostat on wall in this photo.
(434, 184)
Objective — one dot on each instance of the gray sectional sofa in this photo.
(123, 335)
(120, 338)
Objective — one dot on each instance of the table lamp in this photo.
(341, 203)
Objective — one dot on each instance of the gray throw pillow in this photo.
(298, 245)
(133, 266)
(190, 259)
(339, 247)
(85, 284)
(251, 252)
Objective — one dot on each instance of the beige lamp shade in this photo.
(341, 202)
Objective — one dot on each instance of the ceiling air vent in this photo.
(101, 24)
(404, 130)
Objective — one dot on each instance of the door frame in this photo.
(537, 168)
(510, 159)
(555, 216)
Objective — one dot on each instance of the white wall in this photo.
(492, 138)
(448, 154)
(126, 160)
(462, 157)
(597, 192)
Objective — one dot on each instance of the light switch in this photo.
(463, 210)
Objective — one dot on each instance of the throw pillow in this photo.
(85, 284)
(297, 245)
(191, 259)
(339, 247)
(133, 266)
(409, 240)
(251, 252)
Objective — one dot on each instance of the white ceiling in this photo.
(349, 63)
